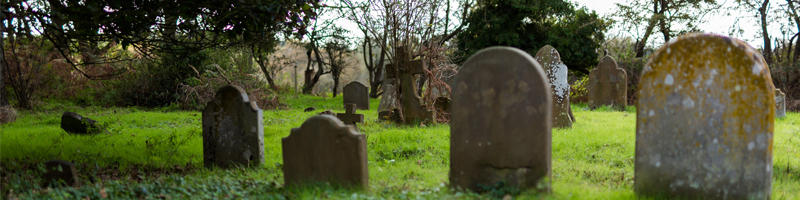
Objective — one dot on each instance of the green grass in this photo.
(158, 154)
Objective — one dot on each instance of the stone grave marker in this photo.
(780, 104)
(357, 93)
(500, 122)
(349, 116)
(324, 149)
(74, 123)
(556, 72)
(412, 108)
(608, 85)
(60, 172)
(233, 131)
(704, 121)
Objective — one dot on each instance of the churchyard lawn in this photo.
(159, 154)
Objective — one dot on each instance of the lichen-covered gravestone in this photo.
(324, 149)
(704, 121)
(233, 131)
(780, 103)
(556, 72)
(608, 85)
(357, 93)
(500, 122)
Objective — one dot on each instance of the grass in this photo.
(158, 154)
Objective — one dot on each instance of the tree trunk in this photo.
(3, 100)
(796, 18)
(642, 43)
(307, 77)
(762, 11)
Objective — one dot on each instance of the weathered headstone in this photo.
(233, 131)
(780, 104)
(357, 93)
(7, 114)
(324, 149)
(556, 72)
(412, 108)
(60, 172)
(389, 100)
(608, 85)
(77, 124)
(704, 121)
(349, 116)
(500, 122)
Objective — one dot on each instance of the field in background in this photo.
(158, 154)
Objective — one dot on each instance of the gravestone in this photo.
(357, 93)
(412, 108)
(324, 149)
(77, 124)
(60, 172)
(500, 122)
(780, 104)
(608, 85)
(7, 114)
(349, 116)
(233, 131)
(704, 121)
(389, 100)
(556, 72)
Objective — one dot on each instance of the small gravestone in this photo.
(780, 104)
(324, 149)
(7, 114)
(349, 116)
(608, 85)
(556, 72)
(500, 122)
(60, 172)
(704, 121)
(233, 131)
(357, 93)
(77, 124)
(389, 101)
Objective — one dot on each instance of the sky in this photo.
(716, 22)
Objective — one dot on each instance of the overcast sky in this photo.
(719, 22)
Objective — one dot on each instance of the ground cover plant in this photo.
(157, 153)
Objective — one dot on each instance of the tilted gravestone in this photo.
(608, 85)
(350, 116)
(780, 104)
(233, 131)
(357, 93)
(324, 149)
(556, 72)
(500, 122)
(704, 121)
(74, 123)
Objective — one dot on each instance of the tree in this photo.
(646, 16)
(529, 25)
(762, 9)
(411, 24)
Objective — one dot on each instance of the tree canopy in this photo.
(530, 25)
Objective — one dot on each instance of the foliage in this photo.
(579, 90)
(158, 154)
(28, 67)
(529, 25)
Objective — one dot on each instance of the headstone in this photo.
(349, 116)
(7, 114)
(780, 104)
(77, 124)
(324, 149)
(500, 122)
(412, 108)
(233, 131)
(389, 101)
(608, 85)
(556, 72)
(357, 93)
(60, 172)
(704, 121)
